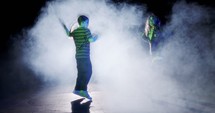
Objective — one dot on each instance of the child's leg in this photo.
(84, 73)
(81, 79)
(89, 71)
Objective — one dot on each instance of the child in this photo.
(82, 38)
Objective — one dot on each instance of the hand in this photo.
(95, 36)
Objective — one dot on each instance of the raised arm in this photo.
(65, 28)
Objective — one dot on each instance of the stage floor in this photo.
(62, 100)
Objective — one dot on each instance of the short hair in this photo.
(82, 18)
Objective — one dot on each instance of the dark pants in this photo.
(84, 67)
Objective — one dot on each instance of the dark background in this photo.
(22, 14)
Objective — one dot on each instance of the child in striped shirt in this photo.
(82, 38)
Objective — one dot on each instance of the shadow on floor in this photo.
(78, 107)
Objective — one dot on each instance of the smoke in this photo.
(122, 68)
(192, 42)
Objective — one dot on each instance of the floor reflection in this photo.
(79, 107)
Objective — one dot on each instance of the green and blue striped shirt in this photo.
(81, 37)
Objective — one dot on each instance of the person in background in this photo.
(152, 33)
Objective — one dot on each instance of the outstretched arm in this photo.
(65, 28)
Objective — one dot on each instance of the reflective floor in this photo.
(61, 100)
(51, 100)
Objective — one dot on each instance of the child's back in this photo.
(81, 37)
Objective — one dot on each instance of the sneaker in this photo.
(82, 93)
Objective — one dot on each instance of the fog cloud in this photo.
(122, 67)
